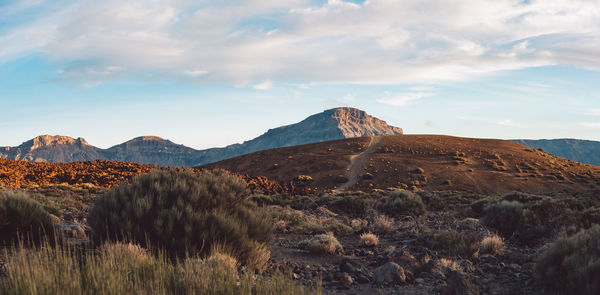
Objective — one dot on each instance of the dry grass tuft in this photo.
(492, 244)
(322, 244)
(382, 223)
(369, 239)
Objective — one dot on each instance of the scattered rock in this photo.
(389, 273)
(458, 283)
(346, 279)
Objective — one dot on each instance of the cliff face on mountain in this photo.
(338, 123)
(583, 151)
(47, 148)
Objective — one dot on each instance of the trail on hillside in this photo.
(359, 162)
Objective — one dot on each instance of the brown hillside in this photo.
(104, 173)
(428, 162)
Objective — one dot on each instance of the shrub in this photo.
(183, 214)
(322, 244)
(464, 244)
(369, 239)
(403, 203)
(352, 205)
(571, 265)
(492, 244)
(23, 218)
(382, 223)
(504, 216)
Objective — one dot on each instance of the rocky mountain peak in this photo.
(147, 138)
(55, 140)
(353, 122)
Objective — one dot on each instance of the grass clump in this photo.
(571, 265)
(352, 205)
(322, 244)
(23, 218)
(369, 239)
(184, 214)
(297, 222)
(403, 203)
(492, 244)
(124, 268)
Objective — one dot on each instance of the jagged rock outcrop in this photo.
(338, 123)
(48, 148)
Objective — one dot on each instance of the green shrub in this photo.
(572, 265)
(465, 244)
(352, 205)
(403, 203)
(299, 223)
(530, 218)
(23, 218)
(183, 214)
(504, 216)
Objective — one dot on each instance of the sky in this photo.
(213, 73)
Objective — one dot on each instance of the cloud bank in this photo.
(260, 42)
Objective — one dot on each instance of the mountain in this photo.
(152, 150)
(427, 162)
(47, 148)
(583, 151)
(338, 123)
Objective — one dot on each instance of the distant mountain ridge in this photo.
(337, 123)
(583, 151)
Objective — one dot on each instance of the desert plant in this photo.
(571, 265)
(382, 223)
(22, 218)
(352, 205)
(493, 244)
(183, 214)
(299, 223)
(465, 244)
(504, 216)
(322, 244)
(369, 239)
(403, 203)
(125, 268)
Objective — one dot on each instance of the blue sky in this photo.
(207, 73)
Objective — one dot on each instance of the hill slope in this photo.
(428, 162)
(584, 151)
(152, 150)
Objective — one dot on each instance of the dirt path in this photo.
(359, 162)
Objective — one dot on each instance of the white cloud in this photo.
(266, 85)
(401, 99)
(590, 125)
(509, 123)
(241, 42)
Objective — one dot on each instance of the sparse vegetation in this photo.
(571, 265)
(322, 244)
(369, 239)
(124, 268)
(382, 223)
(464, 244)
(493, 244)
(184, 214)
(22, 218)
(298, 222)
(403, 202)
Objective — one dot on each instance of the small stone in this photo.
(389, 273)
(295, 276)
(346, 279)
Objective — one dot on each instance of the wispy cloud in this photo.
(591, 125)
(402, 98)
(266, 85)
(246, 42)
